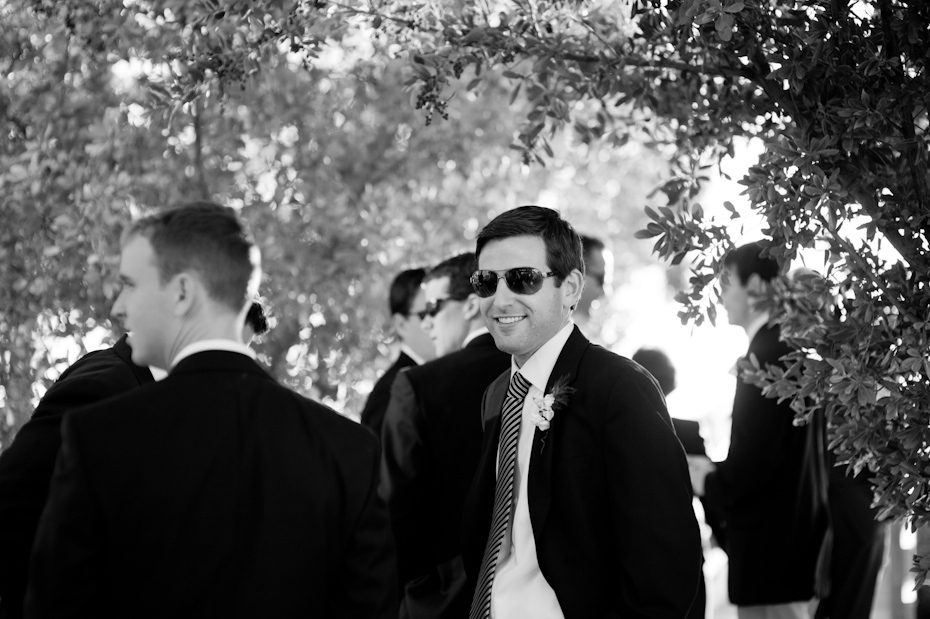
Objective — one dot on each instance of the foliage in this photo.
(111, 108)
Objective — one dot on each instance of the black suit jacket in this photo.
(26, 465)
(377, 402)
(608, 489)
(213, 493)
(762, 493)
(431, 442)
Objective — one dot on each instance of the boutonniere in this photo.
(549, 403)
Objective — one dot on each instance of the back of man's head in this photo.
(659, 365)
(458, 269)
(404, 290)
(751, 259)
(208, 239)
(563, 245)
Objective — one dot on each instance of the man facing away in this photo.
(407, 304)
(760, 490)
(431, 441)
(215, 492)
(581, 505)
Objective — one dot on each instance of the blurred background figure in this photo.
(598, 263)
(660, 366)
(851, 556)
(256, 322)
(407, 305)
(761, 488)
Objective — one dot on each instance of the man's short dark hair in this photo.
(206, 238)
(747, 260)
(563, 245)
(256, 318)
(458, 269)
(404, 289)
(659, 365)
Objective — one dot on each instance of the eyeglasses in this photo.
(521, 280)
(433, 307)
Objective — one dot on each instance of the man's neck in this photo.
(221, 326)
(755, 324)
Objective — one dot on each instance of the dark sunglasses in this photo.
(433, 307)
(521, 280)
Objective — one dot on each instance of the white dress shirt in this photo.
(218, 344)
(412, 354)
(519, 589)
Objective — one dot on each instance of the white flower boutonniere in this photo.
(549, 403)
(544, 413)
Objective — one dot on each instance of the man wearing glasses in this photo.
(407, 304)
(431, 440)
(581, 504)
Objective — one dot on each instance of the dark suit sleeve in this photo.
(26, 467)
(66, 559)
(760, 432)
(659, 544)
(402, 466)
(367, 584)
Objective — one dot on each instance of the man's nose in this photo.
(117, 312)
(502, 294)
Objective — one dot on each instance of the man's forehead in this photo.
(514, 251)
(419, 300)
(436, 287)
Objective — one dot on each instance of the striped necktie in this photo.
(503, 496)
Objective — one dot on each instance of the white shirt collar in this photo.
(157, 373)
(413, 355)
(753, 327)
(539, 366)
(218, 344)
(473, 334)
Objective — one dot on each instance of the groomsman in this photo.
(761, 488)
(26, 464)
(407, 304)
(581, 505)
(431, 441)
(215, 492)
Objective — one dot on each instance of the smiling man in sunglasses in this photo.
(581, 504)
(431, 440)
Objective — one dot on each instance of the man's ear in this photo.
(185, 289)
(471, 308)
(571, 287)
(755, 283)
(398, 321)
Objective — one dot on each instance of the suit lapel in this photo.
(547, 444)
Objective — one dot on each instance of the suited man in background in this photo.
(761, 489)
(407, 304)
(431, 440)
(215, 492)
(26, 465)
(581, 505)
